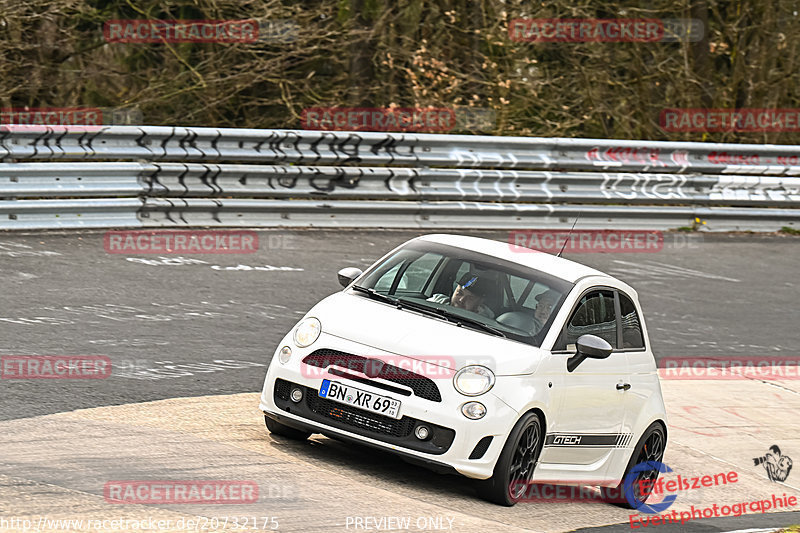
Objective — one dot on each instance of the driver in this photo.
(469, 294)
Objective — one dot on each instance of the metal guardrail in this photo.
(71, 177)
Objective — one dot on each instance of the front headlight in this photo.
(307, 332)
(473, 380)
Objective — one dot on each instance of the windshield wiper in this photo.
(453, 317)
(372, 293)
(400, 303)
(422, 308)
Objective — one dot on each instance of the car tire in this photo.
(649, 448)
(276, 428)
(515, 466)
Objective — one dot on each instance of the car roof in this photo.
(556, 266)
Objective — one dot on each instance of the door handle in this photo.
(623, 386)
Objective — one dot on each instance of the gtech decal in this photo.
(611, 440)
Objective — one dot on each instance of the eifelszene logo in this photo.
(633, 478)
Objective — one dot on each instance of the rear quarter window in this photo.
(632, 336)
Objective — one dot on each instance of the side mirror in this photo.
(347, 275)
(589, 346)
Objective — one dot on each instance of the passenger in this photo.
(469, 294)
(544, 306)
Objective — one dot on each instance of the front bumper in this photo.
(454, 439)
(436, 466)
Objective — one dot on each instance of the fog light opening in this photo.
(296, 395)
(422, 432)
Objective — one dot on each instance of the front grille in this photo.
(282, 388)
(358, 418)
(346, 417)
(422, 386)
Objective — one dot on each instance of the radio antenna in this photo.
(568, 234)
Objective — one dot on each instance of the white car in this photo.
(467, 356)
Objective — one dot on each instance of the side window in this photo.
(593, 316)
(631, 327)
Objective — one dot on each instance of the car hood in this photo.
(408, 333)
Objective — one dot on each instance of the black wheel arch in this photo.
(542, 420)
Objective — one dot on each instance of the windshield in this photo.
(515, 301)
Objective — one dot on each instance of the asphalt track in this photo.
(196, 326)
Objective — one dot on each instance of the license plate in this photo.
(369, 401)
